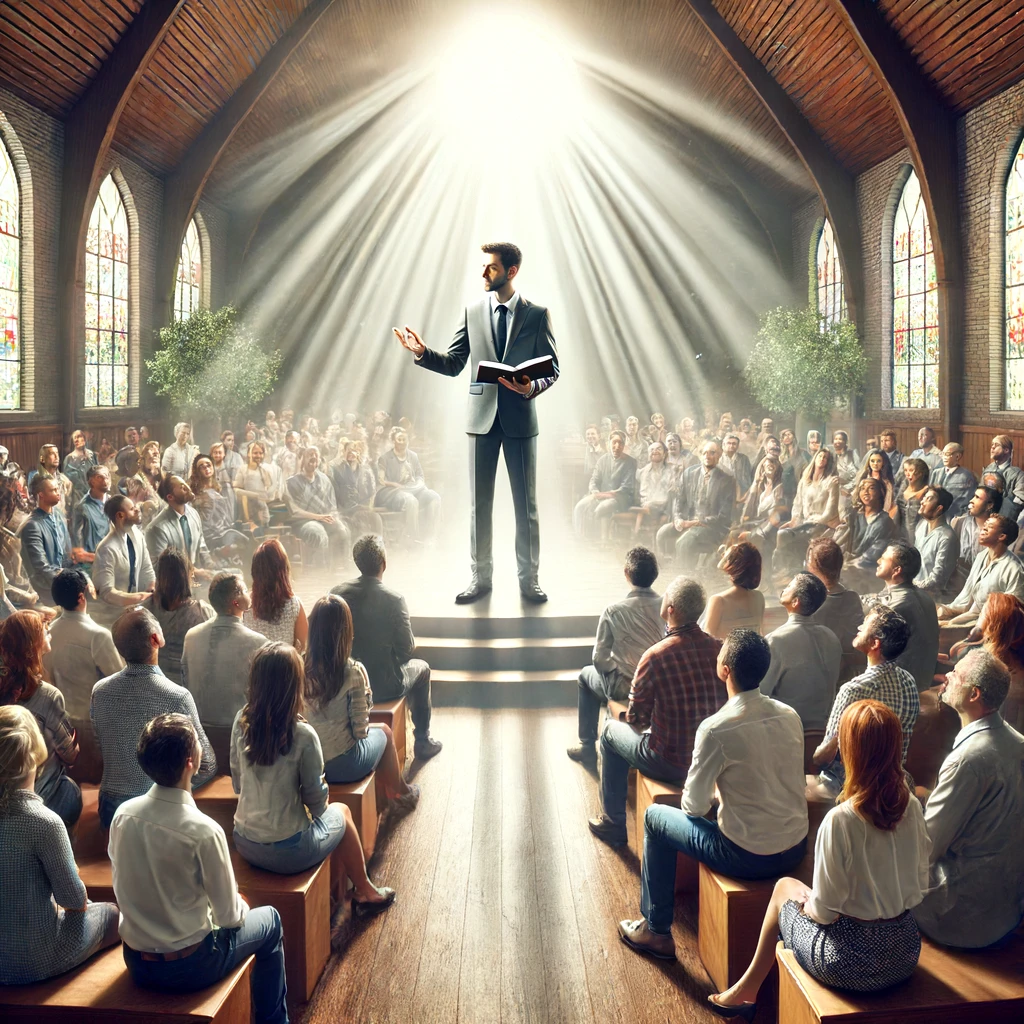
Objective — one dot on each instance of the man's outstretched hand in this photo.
(410, 340)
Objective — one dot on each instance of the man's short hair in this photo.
(509, 254)
(180, 426)
(687, 597)
(93, 472)
(1008, 527)
(225, 587)
(641, 566)
(955, 447)
(37, 483)
(826, 556)
(906, 557)
(888, 432)
(735, 437)
(369, 555)
(132, 632)
(891, 628)
(114, 505)
(165, 487)
(66, 587)
(618, 433)
(1000, 479)
(945, 498)
(748, 656)
(986, 672)
(995, 499)
(809, 592)
(165, 745)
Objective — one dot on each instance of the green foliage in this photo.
(801, 364)
(212, 363)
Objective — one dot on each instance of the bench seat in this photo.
(651, 791)
(392, 714)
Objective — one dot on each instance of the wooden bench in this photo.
(392, 714)
(650, 791)
(948, 987)
(932, 738)
(101, 991)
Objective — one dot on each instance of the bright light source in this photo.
(506, 83)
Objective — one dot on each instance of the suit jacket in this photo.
(715, 511)
(918, 608)
(110, 570)
(529, 337)
(961, 483)
(871, 539)
(165, 532)
(46, 545)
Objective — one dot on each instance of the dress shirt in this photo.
(975, 818)
(1002, 575)
(272, 798)
(406, 472)
(175, 624)
(864, 872)
(76, 469)
(616, 476)
(676, 686)
(121, 705)
(112, 567)
(177, 460)
(939, 549)
(870, 538)
(353, 487)
(314, 496)
(967, 528)
(82, 652)
(89, 525)
(932, 459)
(752, 752)
(217, 511)
(895, 458)
(166, 531)
(960, 482)
(625, 630)
(816, 501)
(346, 719)
(738, 467)
(708, 497)
(46, 547)
(655, 483)
(847, 467)
(804, 669)
(172, 873)
(215, 664)
(922, 650)
(233, 462)
(1014, 479)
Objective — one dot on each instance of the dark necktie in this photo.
(187, 533)
(502, 330)
(131, 563)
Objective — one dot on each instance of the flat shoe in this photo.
(745, 1011)
(367, 908)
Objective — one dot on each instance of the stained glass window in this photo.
(106, 300)
(831, 302)
(1015, 283)
(189, 283)
(915, 305)
(10, 284)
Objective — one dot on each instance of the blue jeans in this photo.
(357, 763)
(109, 802)
(218, 955)
(596, 687)
(669, 831)
(622, 748)
(299, 852)
(65, 800)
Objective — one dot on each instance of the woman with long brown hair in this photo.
(216, 509)
(853, 928)
(174, 607)
(276, 612)
(908, 497)
(338, 701)
(284, 822)
(23, 642)
(815, 511)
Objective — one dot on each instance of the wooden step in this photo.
(506, 653)
(505, 689)
(469, 622)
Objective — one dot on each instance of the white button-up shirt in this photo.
(82, 652)
(1002, 575)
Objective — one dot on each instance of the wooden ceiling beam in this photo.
(185, 184)
(834, 183)
(929, 128)
(88, 133)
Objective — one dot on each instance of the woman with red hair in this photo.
(23, 642)
(276, 612)
(853, 928)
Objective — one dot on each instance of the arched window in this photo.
(188, 286)
(831, 303)
(915, 305)
(1015, 283)
(10, 284)
(106, 300)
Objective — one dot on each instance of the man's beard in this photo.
(497, 284)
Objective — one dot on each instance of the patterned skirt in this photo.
(852, 955)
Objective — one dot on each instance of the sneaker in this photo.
(409, 801)
(638, 936)
(584, 753)
(426, 748)
(607, 831)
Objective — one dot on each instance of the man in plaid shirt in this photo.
(676, 686)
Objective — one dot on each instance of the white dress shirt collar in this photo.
(510, 305)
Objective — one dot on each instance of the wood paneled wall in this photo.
(23, 443)
(974, 437)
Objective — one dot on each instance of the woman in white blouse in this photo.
(853, 928)
(815, 511)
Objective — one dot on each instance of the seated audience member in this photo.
(676, 686)
(224, 476)
(995, 569)
(742, 605)
(402, 489)
(974, 816)
(44, 536)
(995, 482)
(814, 443)
(216, 508)
(24, 643)
(135, 484)
(847, 467)
(899, 565)
(1001, 452)
(49, 465)
(77, 463)
(983, 504)
(794, 458)
(1000, 631)
(736, 464)
(123, 703)
(655, 482)
(748, 755)
(612, 488)
(926, 450)
(594, 449)
(805, 655)
(889, 444)
(955, 478)
(765, 507)
(82, 652)
(636, 446)
(773, 447)
(178, 457)
(122, 572)
(183, 924)
(314, 509)
(180, 526)
(883, 637)
(338, 699)
(871, 532)
(936, 541)
(908, 498)
(255, 488)
(275, 611)
(287, 459)
(89, 523)
(679, 458)
(853, 929)
(233, 462)
(384, 643)
(49, 926)
(355, 487)
(876, 467)
(174, 607)
(701, 510)
(624, 632)
(815, 511)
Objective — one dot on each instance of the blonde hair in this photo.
(22, 750)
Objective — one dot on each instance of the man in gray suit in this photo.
(899, 564)
(503, 327)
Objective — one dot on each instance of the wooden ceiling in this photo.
(51, 50)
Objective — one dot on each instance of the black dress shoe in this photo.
(473, 593)
(533, 593)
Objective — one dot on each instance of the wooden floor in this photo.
(507, 906)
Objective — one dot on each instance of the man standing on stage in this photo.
(502, 327)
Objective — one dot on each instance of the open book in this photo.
(491, 373)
